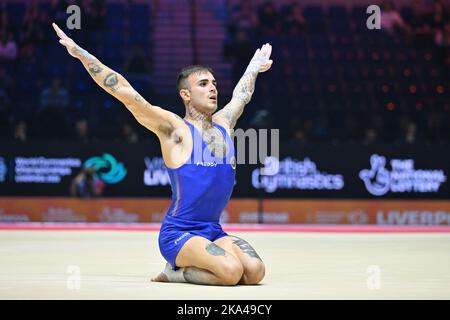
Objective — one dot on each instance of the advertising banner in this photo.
(272, 211)
(307, 172)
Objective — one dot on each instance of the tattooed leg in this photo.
(201, 276)
(254, 268)
(246, 248)
(226, 271)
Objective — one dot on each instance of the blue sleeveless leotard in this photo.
(201, 188)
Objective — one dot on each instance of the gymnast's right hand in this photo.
(73, 49)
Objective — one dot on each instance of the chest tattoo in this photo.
(215, 141)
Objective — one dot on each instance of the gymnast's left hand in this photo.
(73, 49)
(261, 59)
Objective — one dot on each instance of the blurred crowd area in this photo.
(333, 79)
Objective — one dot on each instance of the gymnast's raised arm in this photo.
(244, 89)
(152, 117)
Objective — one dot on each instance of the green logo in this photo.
(116, 170)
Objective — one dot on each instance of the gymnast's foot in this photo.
(170, 275)
(160, 278)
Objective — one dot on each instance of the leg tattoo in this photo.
(199, 276)
(246, 248)
(214, 249)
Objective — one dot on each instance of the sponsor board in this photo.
(402, 177)
(80, 210)
(323, 171)
(295, 174)
(363, 212)
(279, 211)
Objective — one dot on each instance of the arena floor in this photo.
(43, 264)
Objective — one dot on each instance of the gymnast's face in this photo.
(201, 92)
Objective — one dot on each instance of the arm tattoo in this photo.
(246, 86)
(246, 248)
(214, 249)
(111, 81)
(94, 68)
(242, 94)
(138, 97)
(81, 53)
(253, 68)
(227, 114)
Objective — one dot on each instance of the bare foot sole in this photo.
(162, 277)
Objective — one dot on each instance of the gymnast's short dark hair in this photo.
(187, 71)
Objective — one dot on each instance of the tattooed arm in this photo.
(243, 91)
(154, 118)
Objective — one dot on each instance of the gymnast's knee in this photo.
(231, 272)
(254, 273)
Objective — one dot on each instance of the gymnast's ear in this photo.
(185, 94)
